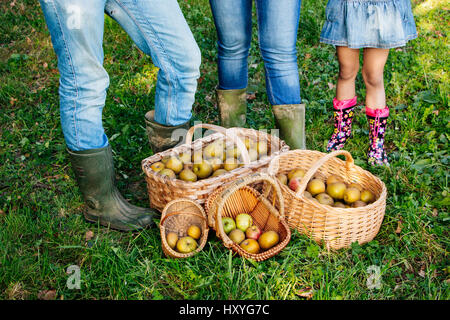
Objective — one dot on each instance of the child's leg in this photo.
(348, 69)
(345, 100)
(376, 110)
(372, 71)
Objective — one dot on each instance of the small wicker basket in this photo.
(162, 190)
(336, 227)
(177, 217)
(241, 197)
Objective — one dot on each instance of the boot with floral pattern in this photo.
(377, 129)
(343, 118)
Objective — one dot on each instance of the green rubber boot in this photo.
(160, 136)
(232, 107)
(290, 119)
(94, 172)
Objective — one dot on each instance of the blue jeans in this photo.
(157, 27)
(277, 32)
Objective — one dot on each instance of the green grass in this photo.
(42, 230)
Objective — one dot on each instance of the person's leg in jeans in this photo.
(76, 29)
(77, 32)
(159, 29)
(233, 21)
(277, 29)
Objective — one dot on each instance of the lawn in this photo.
(43, 232)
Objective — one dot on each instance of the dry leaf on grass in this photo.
(89, 235)
(251, 96)
(47, 295)
(399, 226)
(306, 292)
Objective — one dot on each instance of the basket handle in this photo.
(176, 212)
(349, 163)
(237, 184)
(228, 133)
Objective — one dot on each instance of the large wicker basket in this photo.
(162, 190)
(177, 217)
(335, 227)
(241, 196)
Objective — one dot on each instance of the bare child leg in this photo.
(376, 110)
(372, 71)
(345, 99)
(348, 69)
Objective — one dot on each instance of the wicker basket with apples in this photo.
(183, 228)
(247, 221)
(331, 200)
(195, 169)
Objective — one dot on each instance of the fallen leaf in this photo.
(435, 212)
(306, 292)
(307, 56)
(89, 235)
(251, 96)
(47, 295)
(399, 226)
(12, 101)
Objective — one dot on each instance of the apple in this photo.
(228, 224)
(203, 169)
(186, 245)
(294, 183)
(268, 239)
(296, 173)
(237, 236)
(194, 232)
(168, 173)
(172, 239)
(157, 166)
(250, 245)
(253, 232)
(243, 221)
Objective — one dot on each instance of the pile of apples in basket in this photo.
(214, 160)
(333, 192)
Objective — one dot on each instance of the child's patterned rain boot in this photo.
(377, 129)
(343, 117)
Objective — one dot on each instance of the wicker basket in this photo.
(178, 216)
(241, 197)
(336, 227)
(163, 190)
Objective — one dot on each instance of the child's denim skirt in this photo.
(368, 23)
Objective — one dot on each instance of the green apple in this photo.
(243, 221)
(228, 224)
(186, 245)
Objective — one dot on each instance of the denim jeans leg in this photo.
(160, 30)
(277, 27)
(76, 29)
(233, 21)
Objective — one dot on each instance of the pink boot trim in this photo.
(344, 104)
(378, 113)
